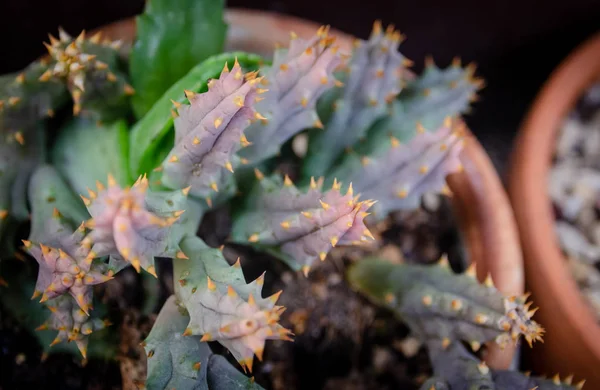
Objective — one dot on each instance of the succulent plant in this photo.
(222, 307)
(457, 369)
(371, 82)
(299, 75)
(24, 101)
(403, 134)
(67, 268)
(300, 226)
(71, 322)
(89, 68)
(133, 225)
(440, 306)
(428, 99)
(398, 174)
(184, 362)
(209, 131)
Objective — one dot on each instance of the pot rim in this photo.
(479, 200)
(528, 189)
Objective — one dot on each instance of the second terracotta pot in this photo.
(572, 341)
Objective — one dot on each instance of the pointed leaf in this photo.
(172, 37)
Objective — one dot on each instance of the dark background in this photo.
(516, 43)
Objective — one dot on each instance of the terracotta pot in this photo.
(481, 205)
(572, 341)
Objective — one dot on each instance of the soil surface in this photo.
(342, 340)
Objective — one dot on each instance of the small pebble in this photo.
(431, 201)
(382, 357)
(409, 346)
(300, 145)
(334, 279)
(20, 359)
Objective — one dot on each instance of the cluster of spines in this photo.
(303, 225)
(222, 307)
(66, 267)
(71, 322)
(183, 362)
(398, 174)
(450, 78)
(126, 228)
(372, 80)
(245, 336)
(209, 132)
(74, 62)
(430, 97)
(511, 323)
(67, 273)
(298, 77)
(438, 304)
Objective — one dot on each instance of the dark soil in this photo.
(342, 341)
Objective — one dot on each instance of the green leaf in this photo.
(48, 191)
(183, 362)
(172, 37)
(85, 152)
(17, 163)
(150, 141)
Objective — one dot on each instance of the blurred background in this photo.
(516, 43)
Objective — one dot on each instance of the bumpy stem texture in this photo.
(183, 362)
(89, 68)
(133, 225)
(372, 80)
(222, 307)
(24, 101)
(209, 132)
(398, 174)
(65, 265)
(68, 267)
(456, 369)
(440, 306)
(301, 226)
(298, 77)
(428, 100)
(71, 322)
